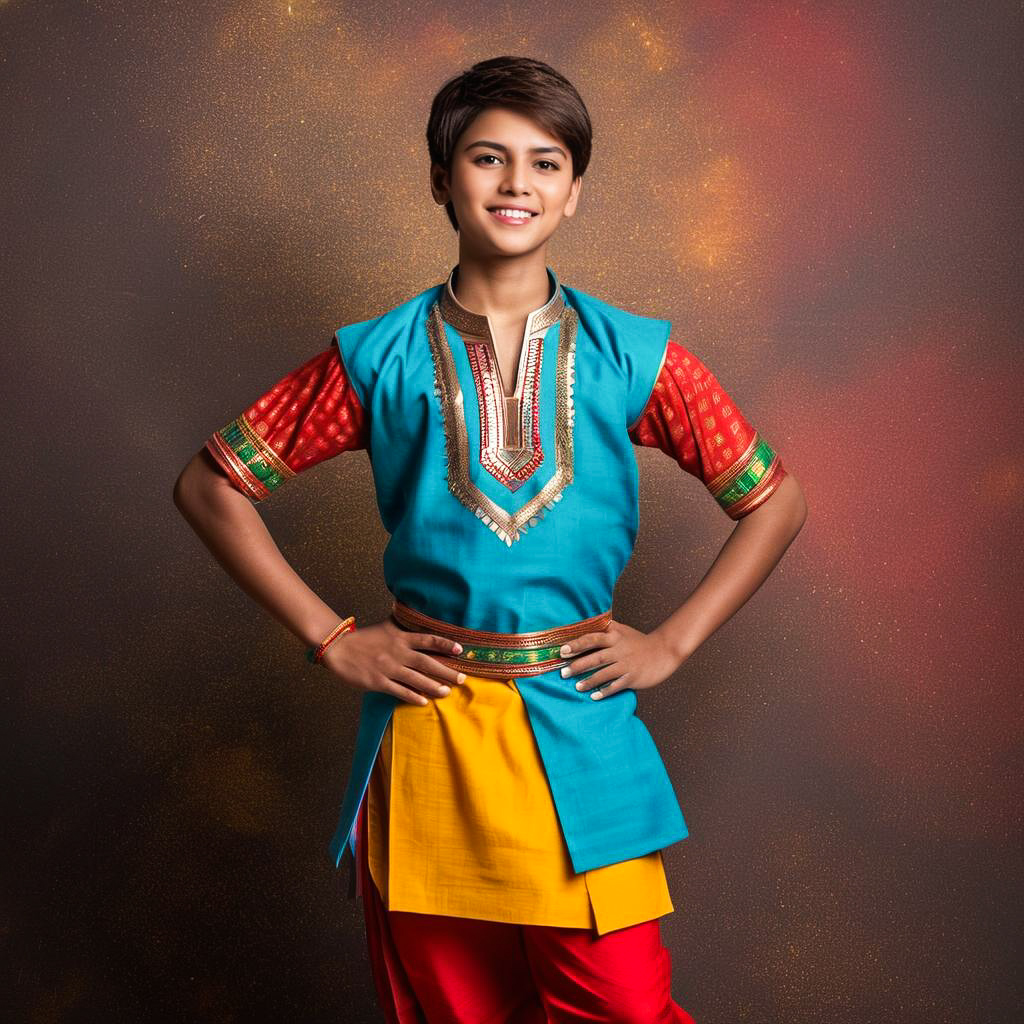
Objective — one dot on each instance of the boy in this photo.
(508, 849)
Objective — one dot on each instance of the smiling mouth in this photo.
(509, 215)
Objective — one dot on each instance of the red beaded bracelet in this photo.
(315, 654)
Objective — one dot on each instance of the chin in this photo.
(508, 246)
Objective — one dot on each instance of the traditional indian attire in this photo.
(516, 798)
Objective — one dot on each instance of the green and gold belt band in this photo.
(507, 654)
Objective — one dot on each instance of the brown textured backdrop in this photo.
(822, 197)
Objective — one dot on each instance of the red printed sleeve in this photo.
(692, 418)
(310, 415)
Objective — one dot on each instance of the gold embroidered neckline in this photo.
(507, 526)
(478, 325)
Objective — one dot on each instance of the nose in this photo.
(515, 177)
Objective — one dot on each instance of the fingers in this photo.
(433, 642)
(432, 667)
(601, 690)
(422, 664)
(586, 663)
(586, 642)
(599, 686)
(425, 674)
(601, 682)
(404, 693)
(428, 682)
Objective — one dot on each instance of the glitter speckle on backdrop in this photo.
(820, 197)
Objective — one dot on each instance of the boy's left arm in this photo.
(692, 418)
(746, 560)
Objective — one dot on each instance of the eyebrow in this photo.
(504, 149)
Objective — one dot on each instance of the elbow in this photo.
(191, 486)
(183, 492)
(799, 517)
(184, 501)
(797, 502)
(786, 506)
(178, 491)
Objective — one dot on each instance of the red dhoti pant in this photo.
(438, 969)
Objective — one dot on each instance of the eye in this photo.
(490, 156)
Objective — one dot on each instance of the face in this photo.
(502, 160)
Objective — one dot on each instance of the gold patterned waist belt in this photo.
(507, 654)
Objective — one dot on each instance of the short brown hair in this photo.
(531, 87)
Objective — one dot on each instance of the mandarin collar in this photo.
(478, 325)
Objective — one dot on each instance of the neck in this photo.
(505, 288)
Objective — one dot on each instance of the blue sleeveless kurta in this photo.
(519, 540)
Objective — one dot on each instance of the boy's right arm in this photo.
(231, 527)
(295, 425)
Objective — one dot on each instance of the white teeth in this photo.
(522, 214)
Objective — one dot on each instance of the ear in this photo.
(440, 186)
(574, 196)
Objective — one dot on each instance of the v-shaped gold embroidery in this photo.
(510, 445)
(508, 526)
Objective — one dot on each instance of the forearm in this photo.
(233, 530)
(745, 561)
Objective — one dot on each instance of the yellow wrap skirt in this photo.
(461, 822)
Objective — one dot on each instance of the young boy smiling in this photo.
(506, 807)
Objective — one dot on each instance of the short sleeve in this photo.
(691, 417)
(311, 414)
